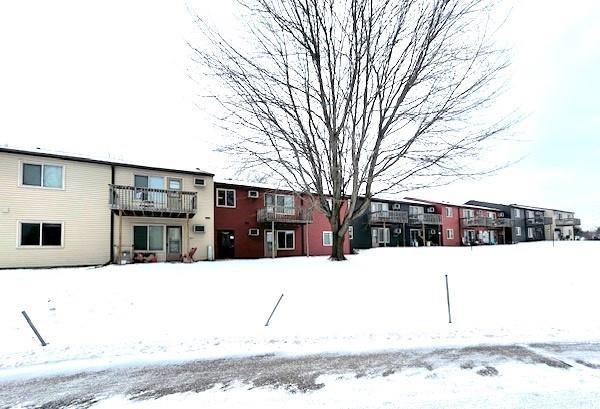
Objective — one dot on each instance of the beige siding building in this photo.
(63, 210)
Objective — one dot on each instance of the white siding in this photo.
(204, 216)
(82, 205)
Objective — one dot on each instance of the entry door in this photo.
(374, 238)
(414, 237)
(174, 196)
(226, 244)
(174, 244)
(269, 243)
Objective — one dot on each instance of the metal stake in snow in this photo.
(37, 334)
(273, 312)
(448, 298)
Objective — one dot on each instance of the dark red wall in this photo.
(450, 223)
(243, 217)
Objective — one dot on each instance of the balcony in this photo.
(280, 214)
(424, 218)
(388, 216)
(568, 222)
(502, 222)
(538, 220)
(480, 221)
(143, 201)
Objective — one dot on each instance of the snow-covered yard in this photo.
(381, 299)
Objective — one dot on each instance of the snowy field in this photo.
(381, 299)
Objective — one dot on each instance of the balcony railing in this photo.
(424, 218)
(480, 221)
(388, 216)
(143, 201)
(538, 220)
(281, 214)
(503, 222)
(568, 222)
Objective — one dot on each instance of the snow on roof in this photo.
(108, 160)
(528, 207)
(260, 185)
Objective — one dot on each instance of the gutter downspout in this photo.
(112, 219)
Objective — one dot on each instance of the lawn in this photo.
(380, 299)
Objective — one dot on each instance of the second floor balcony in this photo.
(538, 220)
(424, 218)
(143, 201)
(388, 216)
(571, 221)
(283, 214)
(480, 221)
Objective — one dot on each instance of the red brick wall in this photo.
(452, 222)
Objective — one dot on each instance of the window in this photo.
(327, 239)
(450, 234)
(518, 230)
(492, 215)
(381, 235)
(468, 213)
(42, 175)
(530, 214)
(283, 204)
(143, 182)
(517, 213)
(351, 232)
(225, 197)
(379, 207)
(530, 232)
(285, 240)
(449, 212)
(415, 210)
(40, 234)
(148, 238)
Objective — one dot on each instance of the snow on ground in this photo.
(384, 298)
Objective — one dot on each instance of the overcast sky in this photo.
(111, 78)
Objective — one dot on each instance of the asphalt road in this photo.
(297, 375)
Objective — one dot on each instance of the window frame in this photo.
(226, 190)
(293, 232)
(385, 233)
(40, 223)
(350, 232)
(273, 207)
(328, 233)
(517, 213)
(147, 226)
(448, 235)
(530, 233)
(518, 231)
(42, 165)
(449, 212)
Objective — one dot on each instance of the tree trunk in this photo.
(337, 251)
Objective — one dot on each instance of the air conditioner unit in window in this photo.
(199, 228)
(199, 182)
(253, 194)
(432, 231)
(253, 232)
(431, 210)
(398, 230)
(396, 206)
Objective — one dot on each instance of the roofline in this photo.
(459, 205)
(99, 162)
(542, 208)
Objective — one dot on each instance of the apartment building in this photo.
(68, 210)
(397, 223)
(254, 220)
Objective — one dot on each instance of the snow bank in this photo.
(380, 299)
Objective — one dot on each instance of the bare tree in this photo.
(350, 98)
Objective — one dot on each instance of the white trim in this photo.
(350, 232)
(330, 233)
(40, 222)
(518, 231)
(225, 197)
(277, 238)
(164, 226)
(450, 234)
(449, 212)
(42, 164)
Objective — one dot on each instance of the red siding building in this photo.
(253, 220)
